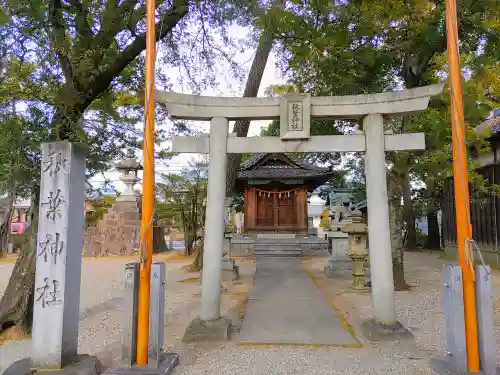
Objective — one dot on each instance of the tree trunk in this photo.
(188, 240)
(159, 244)
(433, 241)
(16, 305)
(251, 90)
(433, 237)
(197, 265)
(409, 217)
(395, 193)
(5, 225)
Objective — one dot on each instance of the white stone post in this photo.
(384, 305)
(214, 221)
(59, 256)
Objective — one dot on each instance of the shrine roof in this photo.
(491, 126)
(279, 166)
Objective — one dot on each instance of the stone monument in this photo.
(56, 302)
(118, 232)
(337, 240)
(230, 271)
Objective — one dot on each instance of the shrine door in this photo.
(276, 212)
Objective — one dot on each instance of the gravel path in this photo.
(418, 309)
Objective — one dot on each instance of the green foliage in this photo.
(75, 70)
(339, 48)
(325, 222)
(421, 237)
(181, 203)
(237, 201)
(99, 209)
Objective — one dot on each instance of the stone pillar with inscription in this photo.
(59, 256)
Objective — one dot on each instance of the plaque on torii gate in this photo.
(295, 113)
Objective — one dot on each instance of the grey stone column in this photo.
(59, 256)
(214, 221)
(379, 236)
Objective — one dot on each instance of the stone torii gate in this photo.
(295, 113)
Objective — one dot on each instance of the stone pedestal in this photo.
(59, 256)
(357, 250)
(359, 272)
(338, 259)
(117, 233)
(82, 365)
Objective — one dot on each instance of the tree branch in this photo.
(100, 82)
(114, 20)
(58, 38)
(83, 28)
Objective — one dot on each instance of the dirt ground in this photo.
(419, 309)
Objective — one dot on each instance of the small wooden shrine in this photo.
(275, 192)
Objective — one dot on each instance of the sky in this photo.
(227, 86)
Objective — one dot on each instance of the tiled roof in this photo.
(489, 127)
(282, 173)
(254, 160)
(289, 170)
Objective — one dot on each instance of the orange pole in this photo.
(461, 181)
(147, 190)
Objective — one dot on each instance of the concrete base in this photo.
(374, 331)
(167, 365)
(230, 271)
(83, 365)
(443, 367)
(333, 267)
(200, 330)
(231, 275)
(365, 290)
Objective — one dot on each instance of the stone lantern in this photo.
(128, 169)
(357, 250)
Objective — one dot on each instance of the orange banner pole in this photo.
(148, 198)
(461, 181)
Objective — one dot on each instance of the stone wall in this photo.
(118, 233)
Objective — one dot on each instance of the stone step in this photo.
(277, 248)
(288, 244)
(277, 253)
(294, 241)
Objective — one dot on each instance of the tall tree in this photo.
(76, 67)
(182, 203)
(338, 48)
(254, 79)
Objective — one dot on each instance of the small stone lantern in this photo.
(128, 169)
(357, 250)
